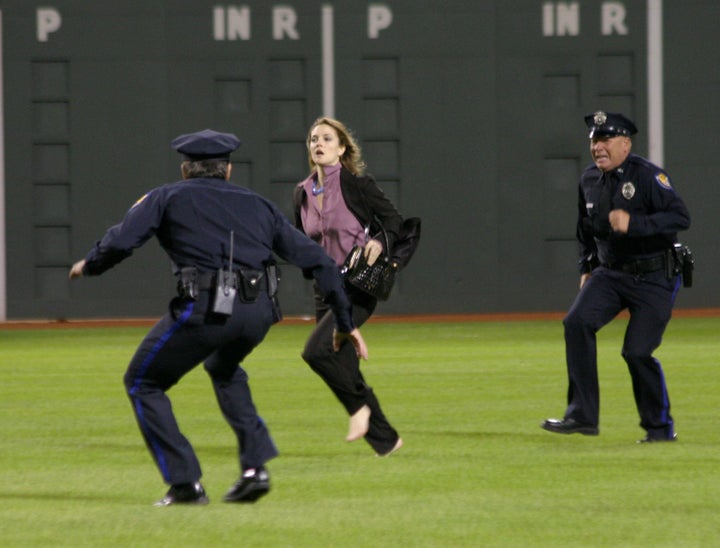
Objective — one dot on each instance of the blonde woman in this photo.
(333, 206)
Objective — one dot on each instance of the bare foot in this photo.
(359, 424)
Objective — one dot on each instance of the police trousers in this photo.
(184, 337)
(341, 370)
(649, 298)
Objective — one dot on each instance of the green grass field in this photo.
(468, 399)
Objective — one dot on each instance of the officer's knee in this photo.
(225, 372)
(573, 322)
(137, 385)
(637, 356)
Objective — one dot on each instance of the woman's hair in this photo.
(209, 169)
(351, 159)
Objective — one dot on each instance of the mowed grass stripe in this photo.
(468, 399)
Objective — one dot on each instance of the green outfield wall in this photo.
(470, 114)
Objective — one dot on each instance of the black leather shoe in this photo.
(253, 484)
(653, 439)
(186, 493)
(570, 426)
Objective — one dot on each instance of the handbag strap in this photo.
(371, 215)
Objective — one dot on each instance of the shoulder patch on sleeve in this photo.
(663, 180)
(140, 200)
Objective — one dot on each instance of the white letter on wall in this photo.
(379, 18)
(284, 20)
(548, 23)
(48, 20)
(568, 19)
(613, 18)
(219, 24)
(238, 23)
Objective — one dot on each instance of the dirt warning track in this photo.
(301, 320)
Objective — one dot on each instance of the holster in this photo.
(272, 274)
(251, 282)
(187, 285)
(684, 264)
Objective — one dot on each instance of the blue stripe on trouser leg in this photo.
(137, 381)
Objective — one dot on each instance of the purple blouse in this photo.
(335, 228)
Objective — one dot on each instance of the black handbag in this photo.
(376, 280)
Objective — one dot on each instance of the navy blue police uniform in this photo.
(636, 271)
(193, 219)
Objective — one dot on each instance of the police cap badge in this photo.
(610, 124)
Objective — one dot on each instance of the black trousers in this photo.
(649, 298)
(341, 370)
(187, 335)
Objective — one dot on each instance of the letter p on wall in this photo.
(48, 21)
(379, 18)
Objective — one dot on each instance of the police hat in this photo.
(206, 145)
(611, 124)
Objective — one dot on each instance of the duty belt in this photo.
(207, 280)
(639, 266)
(250, 282)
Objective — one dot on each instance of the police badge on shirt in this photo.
(628, 190)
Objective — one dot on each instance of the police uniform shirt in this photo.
(642, 189)
(192, 220)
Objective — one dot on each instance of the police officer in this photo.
(629, 216)
(220, 238)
